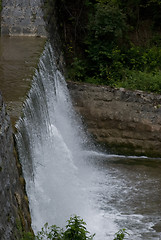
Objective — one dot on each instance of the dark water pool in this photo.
(129, 188)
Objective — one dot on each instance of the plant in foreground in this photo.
(75, 230)
(120, 235)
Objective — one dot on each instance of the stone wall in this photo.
(22, 17)
(14, 211)
(127, 122)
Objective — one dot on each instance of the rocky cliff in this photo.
(14, 212)
(127, 122)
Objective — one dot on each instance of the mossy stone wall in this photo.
(14, 208)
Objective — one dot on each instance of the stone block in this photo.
(5, 31)
(16, 30)
(18, 16)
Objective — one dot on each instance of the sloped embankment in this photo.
(128, 122)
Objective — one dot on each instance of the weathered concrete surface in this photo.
(19, 57)
(127, 122)
(22, 18)
(14, 209)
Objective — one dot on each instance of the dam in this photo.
(65, 171)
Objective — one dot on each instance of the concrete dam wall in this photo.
(18, 57)
(14, 210)
(22, 18)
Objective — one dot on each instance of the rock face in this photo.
(14, 211)
(127, 122)
(22, 17)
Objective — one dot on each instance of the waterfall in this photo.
(53, 151)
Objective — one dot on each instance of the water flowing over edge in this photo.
(65, 175)
(53, 150)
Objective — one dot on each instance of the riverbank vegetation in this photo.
(111, 42)
(75, 230)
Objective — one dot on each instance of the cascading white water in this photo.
(64, 177)
(53, 151)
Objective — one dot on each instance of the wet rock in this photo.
(157, 227)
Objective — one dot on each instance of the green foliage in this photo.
(106, 29)
(50, 232)
(120, 235)
(27, 236)
(108, 22)
(75, 230)
(104, 41)
(77, 70)
(23, 235)
(150, 82)
(133, 68)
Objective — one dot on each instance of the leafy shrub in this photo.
(77, 70)
(120, 235)
(133, 68)
(109, 57)
(107, 24)
(145, 81)
(106, 28)
(75, 230)
(50, 232)
(104, 40)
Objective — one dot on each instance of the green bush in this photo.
(106, 28)
(75, 230)
(102, 42)
(120, 235)
(50, 232)
(106, 24)
(110, 57)
(77, 70)
(133, 68)
(145, 81)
